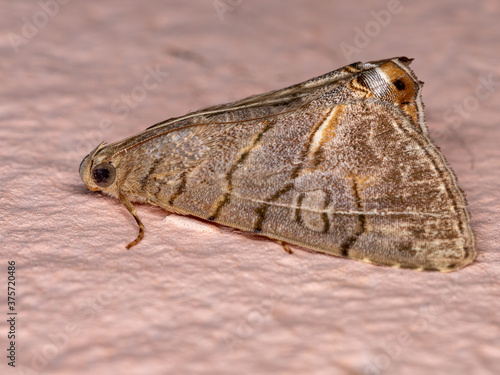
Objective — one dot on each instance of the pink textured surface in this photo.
(195, 298)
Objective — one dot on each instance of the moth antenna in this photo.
(130, 207)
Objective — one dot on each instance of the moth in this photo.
(342, 164)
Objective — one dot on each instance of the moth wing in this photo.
(369, 187)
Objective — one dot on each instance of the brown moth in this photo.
(341, 164)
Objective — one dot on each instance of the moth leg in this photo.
(133, 212)
(285, 246)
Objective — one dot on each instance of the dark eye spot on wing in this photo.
(399, 84)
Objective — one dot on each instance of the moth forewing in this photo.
(341, 164)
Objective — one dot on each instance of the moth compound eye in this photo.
(104, 175)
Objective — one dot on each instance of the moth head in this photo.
(98, 173)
